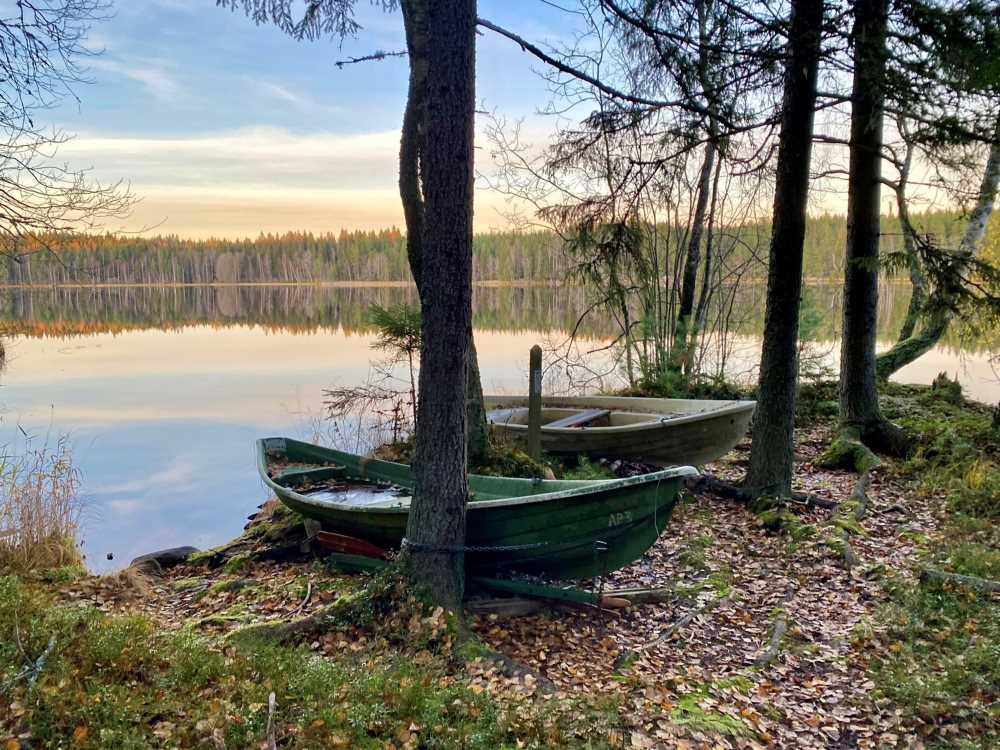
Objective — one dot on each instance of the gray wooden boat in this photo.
(662, 431)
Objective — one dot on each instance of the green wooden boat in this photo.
(552, 528)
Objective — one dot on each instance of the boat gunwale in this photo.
(586, 487)
(729, 407)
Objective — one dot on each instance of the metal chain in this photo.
(455, 548)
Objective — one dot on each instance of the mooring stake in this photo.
(535, 403)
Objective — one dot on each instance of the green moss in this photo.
(816, 401)
(945, 389)
(836, 545)
(694, 554)
(775, 516)
(120, 682)
(181, 585)
(933, 650)
(238, 614)
(720, 581)
(472, 649)
(849, 523)
(510, 461)
(237, 564)
(65, 574)
(689, 713)
(674, 384)
(848, 452)
(802, 531)
(229, 586)
(587, 469)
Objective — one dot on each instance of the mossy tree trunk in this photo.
(771, 453)
(859, 407)
(436, 527)
(411, 193)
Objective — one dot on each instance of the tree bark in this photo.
(436, 527)
(411, 194)
(859, 407)
(771, 453)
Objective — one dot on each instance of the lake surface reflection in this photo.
(162, 391)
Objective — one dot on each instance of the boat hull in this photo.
(553, 529)
(689, 431)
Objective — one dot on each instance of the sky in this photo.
(226, 129)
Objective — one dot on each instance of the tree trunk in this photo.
(980, 217)
(436, 527)
(415, 26)
(410, 155)
(707, 288)
(859, 408)
(478, 439)
(916, 305)
(705, 295)
(916, 345)
(692, 258)
(771, 453)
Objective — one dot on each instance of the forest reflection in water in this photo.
(163, 390)
(298, 308)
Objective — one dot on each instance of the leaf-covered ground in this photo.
(868, 656)
(698, 684)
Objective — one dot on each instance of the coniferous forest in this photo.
(377, 256)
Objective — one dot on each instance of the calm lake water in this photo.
(163, 391)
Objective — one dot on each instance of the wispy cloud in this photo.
(152, 74)
(178, 475)
(279, 92)
(286, 95)
(240, 159)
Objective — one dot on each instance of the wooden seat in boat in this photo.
(580, 419)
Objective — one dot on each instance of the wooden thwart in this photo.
(580, 419)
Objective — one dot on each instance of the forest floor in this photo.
(765, 637)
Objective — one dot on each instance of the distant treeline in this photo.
(360, 256)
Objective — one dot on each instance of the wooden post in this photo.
(535, 403)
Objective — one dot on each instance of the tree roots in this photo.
(848, 452)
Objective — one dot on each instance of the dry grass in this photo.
(39, 509)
